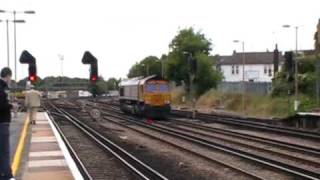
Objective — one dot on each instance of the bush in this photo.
(258, 106)
(176, 95)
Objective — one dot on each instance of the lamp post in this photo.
(191, 79)
(243, 76)
(147, 68)
(61, 57)
(7, 43)
(162, 67)
(162, 63)
(15, 35)
(296, 93)
(8, 47)
(8, 53)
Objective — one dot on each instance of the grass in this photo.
(255, 106)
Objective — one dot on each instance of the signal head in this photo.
(88, 58)
(27, 58)
(32, 72)
(33, 78)
(93, 78)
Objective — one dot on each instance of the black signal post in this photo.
(88, 58)
(27, 58)
(289, 65)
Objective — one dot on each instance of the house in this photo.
(258, 66)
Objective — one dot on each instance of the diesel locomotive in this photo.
(147, 97)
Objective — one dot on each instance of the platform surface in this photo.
(309, 114)
(42, 155)
(16, 126)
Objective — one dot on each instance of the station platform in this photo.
(309, 120)
(38, 152)
(317, 114)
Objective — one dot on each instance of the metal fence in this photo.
(258, 88)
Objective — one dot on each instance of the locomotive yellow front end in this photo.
(157, 98)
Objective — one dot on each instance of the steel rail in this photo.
(138, 167)
(302, 173)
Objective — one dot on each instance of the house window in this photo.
(265, 70)
(237, 69)
(232, 70)
(270, 72)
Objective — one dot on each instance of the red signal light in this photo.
(32, 78)
(94, 78)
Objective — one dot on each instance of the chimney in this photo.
(276, 60)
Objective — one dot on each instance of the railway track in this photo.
(249, 124)
(83, 170)
(241, 122)
(296, 171)
(140, 169)
(235, 134)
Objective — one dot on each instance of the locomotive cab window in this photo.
(151, 88)
(163, 87)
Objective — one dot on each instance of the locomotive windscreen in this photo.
(157, 86)
(163, 88)
(151, 87)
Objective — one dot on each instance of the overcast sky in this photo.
(122, 32)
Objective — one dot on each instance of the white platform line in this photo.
(42, 119)
(47, 163)
(43, 139)
(45, 154)
(41, 128)
(42, 122)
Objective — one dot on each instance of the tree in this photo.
(178, 68)
(148, 66)
(113, 83)
(317, 39)
(206, 76)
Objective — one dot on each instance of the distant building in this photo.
(56, 94)
(259, 66)
(83, 93)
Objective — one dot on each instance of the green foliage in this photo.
(280, 85)
(101, 86)
(206, 77)
(177, 67)
(255, 105)
(113, 83)
(51, 81)
(307, 79)
(148, 66)
(307, 103)
(307, 64)
(189, 41)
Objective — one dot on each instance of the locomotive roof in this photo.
(136, 80)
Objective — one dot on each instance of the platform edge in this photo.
(72, 165)
(18, 154)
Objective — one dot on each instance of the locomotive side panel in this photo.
(130, 92)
